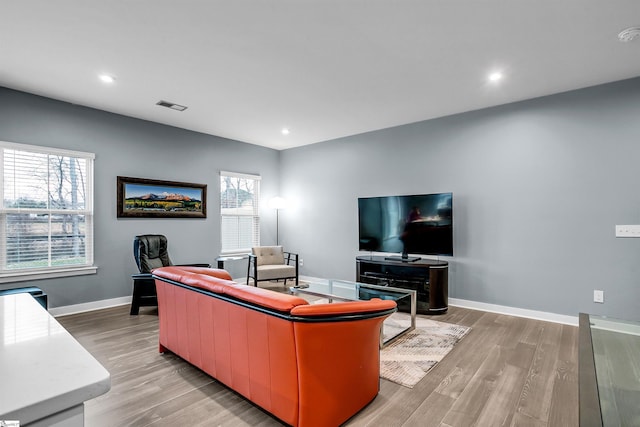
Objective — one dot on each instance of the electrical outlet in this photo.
(598, 296)
(300, 262)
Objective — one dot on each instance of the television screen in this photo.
(416, 224)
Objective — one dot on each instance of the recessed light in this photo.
(106, 78)
(496, 76)
(285, 131)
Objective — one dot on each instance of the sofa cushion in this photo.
(270, 272)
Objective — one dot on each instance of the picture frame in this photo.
(152, 198)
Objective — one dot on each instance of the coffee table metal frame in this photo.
(312, 289)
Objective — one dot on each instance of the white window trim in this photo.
(55, 272)
(46, 150)
(23, 276)
(241, 175)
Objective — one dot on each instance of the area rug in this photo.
(407, 360)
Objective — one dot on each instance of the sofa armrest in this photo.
(338, 358)
(252, 271)
(290, 256)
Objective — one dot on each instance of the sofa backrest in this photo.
(210, 279)
(218, 281)
(150, 251)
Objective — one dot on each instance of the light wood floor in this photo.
(507, 371)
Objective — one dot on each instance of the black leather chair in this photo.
(150, 251)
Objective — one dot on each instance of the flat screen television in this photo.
(415, 224)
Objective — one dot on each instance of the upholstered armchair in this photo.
(272, 263)
(150, 251)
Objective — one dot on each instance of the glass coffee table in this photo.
(343, 290)
(609, 366)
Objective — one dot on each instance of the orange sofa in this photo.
(307, 364)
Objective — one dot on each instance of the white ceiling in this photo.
(323, 68)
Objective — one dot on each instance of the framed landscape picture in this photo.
(151, 198)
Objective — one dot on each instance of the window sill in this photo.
(235, 252)
(22, 276)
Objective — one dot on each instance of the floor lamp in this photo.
(277, 203)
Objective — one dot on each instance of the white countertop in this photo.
(43, 369)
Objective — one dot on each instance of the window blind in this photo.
(46, 216)
(239, 212)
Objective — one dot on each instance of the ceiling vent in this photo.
(171, 105)
(629, 34)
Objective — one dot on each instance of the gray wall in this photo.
(538, 187)
(137, 148)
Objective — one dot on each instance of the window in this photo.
(239, 212)
(46, 216)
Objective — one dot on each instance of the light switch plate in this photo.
(598, 296)
(627, 230)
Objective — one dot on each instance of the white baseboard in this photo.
(502, 309)
(455, 302)
(89, 306)
(514, 311)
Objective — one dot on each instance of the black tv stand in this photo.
(430, 278)
(403, 258)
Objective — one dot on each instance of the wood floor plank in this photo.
(480, 391)
(412, 399)
(564, 399)
(432, 410)
(534, 401)
(480, 382)
(521, 420)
